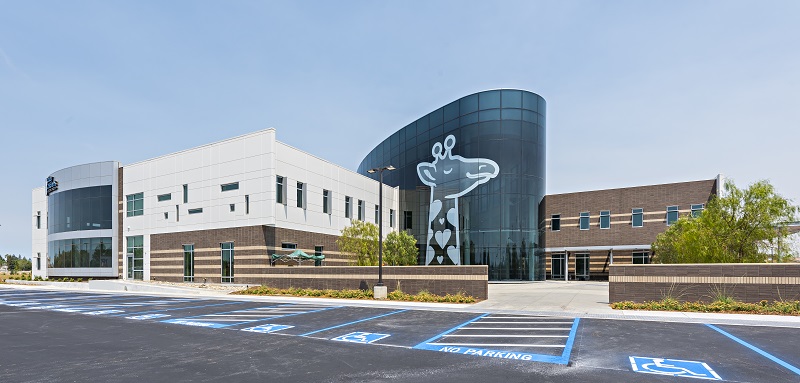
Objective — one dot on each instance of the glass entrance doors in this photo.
(135, 257)
(557, 266)
(582, 267)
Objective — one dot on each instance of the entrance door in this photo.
(557, 266)
(582, 267)
(130, 266)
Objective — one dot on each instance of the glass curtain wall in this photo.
(496, 220)
(87, 208)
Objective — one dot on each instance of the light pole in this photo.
(380, 221)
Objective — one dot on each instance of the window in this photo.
(247, 204)
(326, 200)
(672, 214)
(360, 210)
(555, 222)
(347, 207)
(605, 219)
(584, 220)
(166, 215)
(38, 219)
(279, 192)
(177, 213)
(697, 210)
(288, 246)
(317, 252)
(164, 197)
(185, 193)
(301, 190)
(196, 211)
(391, 218)
(233, 207)
(641, 258)
(227, 262)
(637, 219)
(135, 204)
(38, 261)
(230, 186)
(377, 213)
(408, 220)
(188, 263)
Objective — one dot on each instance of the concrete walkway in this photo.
(549, 298)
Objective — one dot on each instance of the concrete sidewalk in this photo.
(549, 298)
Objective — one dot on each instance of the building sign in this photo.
(52, 185)
(449, 176)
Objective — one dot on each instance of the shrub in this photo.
(396, 295)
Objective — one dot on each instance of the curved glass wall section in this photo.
(471, 176)
(88, 208)
(79, 252)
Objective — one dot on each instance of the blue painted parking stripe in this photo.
(570, 342)
(450, 330)
(357, 321)
(756, 349)
(562, 359)
(180, 308)
(239, 311)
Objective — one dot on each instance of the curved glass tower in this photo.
(471, 176)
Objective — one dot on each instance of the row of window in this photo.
(637, 217)
(226, 255)
(135, 202)
(327, 199)
(582, 266)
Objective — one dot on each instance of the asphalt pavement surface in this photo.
(60, 336)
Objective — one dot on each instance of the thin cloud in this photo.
(10, 64)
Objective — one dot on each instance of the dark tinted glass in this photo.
(80, 209)
(497, 218)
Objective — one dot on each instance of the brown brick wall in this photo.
(253, 244)
(654, 199)
(441, 280)
(702, 282)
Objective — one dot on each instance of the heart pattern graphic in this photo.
(442, 237)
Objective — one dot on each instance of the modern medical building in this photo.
(468, 183)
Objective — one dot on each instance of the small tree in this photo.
(400, 249)
(360, 240)
(744, 225)
(23, 264)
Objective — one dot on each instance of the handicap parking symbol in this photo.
(267, 328)
(361, 337)
(673, 367)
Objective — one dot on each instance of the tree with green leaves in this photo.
(741, 226)
(360, 241)
(400, 249)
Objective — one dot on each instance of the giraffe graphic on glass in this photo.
(449, 176)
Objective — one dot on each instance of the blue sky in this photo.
(638, 92)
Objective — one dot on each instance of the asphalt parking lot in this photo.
(58, 335)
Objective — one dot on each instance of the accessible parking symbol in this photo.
(673, 367)
(361, 337)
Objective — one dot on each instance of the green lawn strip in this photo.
(396, 295)
(727, 306)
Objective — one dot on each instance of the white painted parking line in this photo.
(479, 337)
(498, 345)
(236, 317)
(505, 336)
(518, 328)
